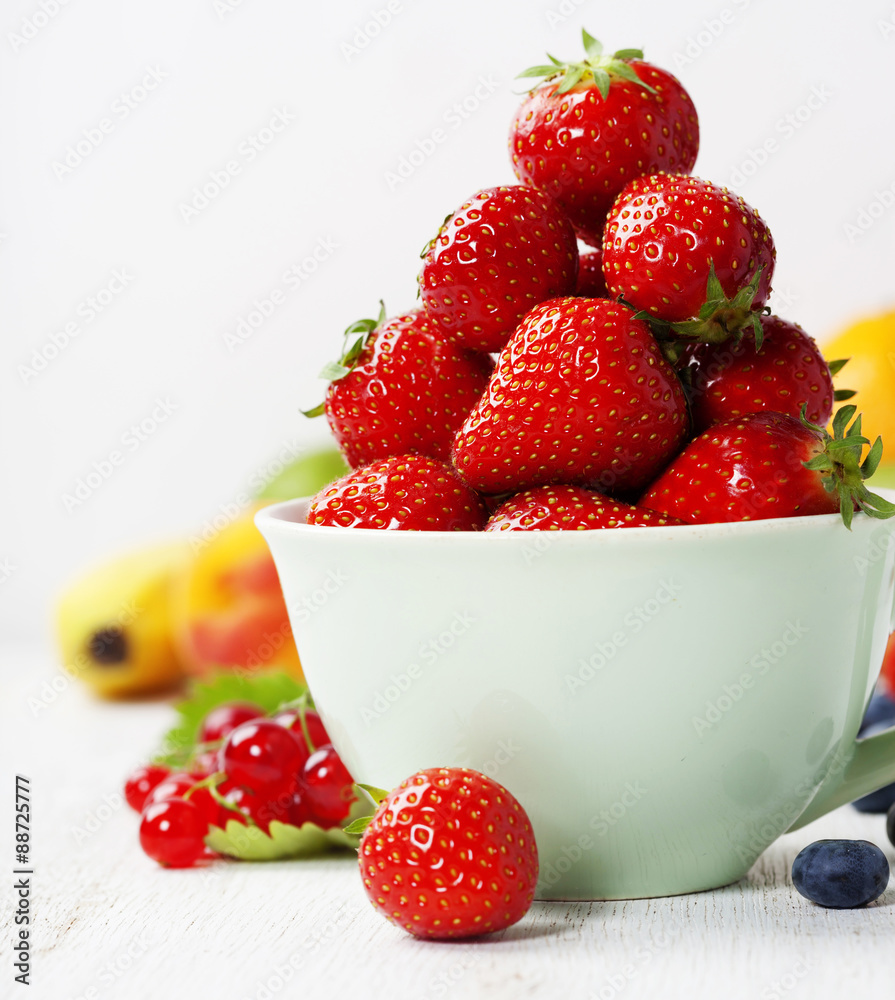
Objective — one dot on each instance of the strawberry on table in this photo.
(592, 126)
(678, 247)
(581, 395)
(735, 378)
(406, 492)
(449, 853)
(570, 508)
(503, 251)
(768, 465)
(400, 388)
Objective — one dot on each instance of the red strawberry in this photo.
(582, 136)
(731, 379)
(580, 395)
(409, 492)
(400, 388)
(570, 508)
(449, 853)
(679, 247)
(503, 251)
(591, 283)
(770, 465)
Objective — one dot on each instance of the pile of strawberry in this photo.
(247, 767)
(638, 381)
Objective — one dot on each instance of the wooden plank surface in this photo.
(109, 923)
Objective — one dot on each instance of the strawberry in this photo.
(591, 283)
(449, 853)
(767, 465)
(503, 251)
(731, 379)
(570, 508)
(592, 126)
(408, 492)
(582, 395)
(679, 247)
(400, 388)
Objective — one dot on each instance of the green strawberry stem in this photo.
(842, 470)
(596, 70)
(376, 795)
(360, 331)
(302, 705)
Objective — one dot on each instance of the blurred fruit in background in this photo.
(138, 624)
(229, 610)
(887, 674)
(870, 346)
(114, 623)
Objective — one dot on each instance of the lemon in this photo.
(870, 346)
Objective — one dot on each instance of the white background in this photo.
(355, 114)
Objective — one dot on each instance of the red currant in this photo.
(221, 721)
(259, 809)
(291, 719)
(141, 783)
(327, 786)
(171, 787)
(204, 763)
(210, 809)
(262, 756)
(172, 832)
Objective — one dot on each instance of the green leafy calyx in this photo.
(842, 470)
(355, 340)
(377, 795)
(595, 70)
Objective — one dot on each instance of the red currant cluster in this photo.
(249, 767)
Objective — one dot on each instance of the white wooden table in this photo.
(109, 923)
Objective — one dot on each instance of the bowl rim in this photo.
(277, 516)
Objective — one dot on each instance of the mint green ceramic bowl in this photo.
(665, 702)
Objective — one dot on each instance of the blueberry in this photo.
(877, 802)
(841, 873)
(880, 713)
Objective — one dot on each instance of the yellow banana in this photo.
(114, 623)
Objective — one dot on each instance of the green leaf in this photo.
(627, 72)
(871, 462)
(315, 411)
(358, 826)
(601, 79)
(305, 476)
(841, 419)
(840, 394)
(713, 290)
(758, 330)
(821, 461)
(376, 794)
(592, 47)
(269, 689)
(837, 366)
(628, 54)
(251, 843)
(538, 71)
(571, 76)
(332, 371)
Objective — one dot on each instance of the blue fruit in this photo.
(880, 713)
(877, 802)
(841, 873)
